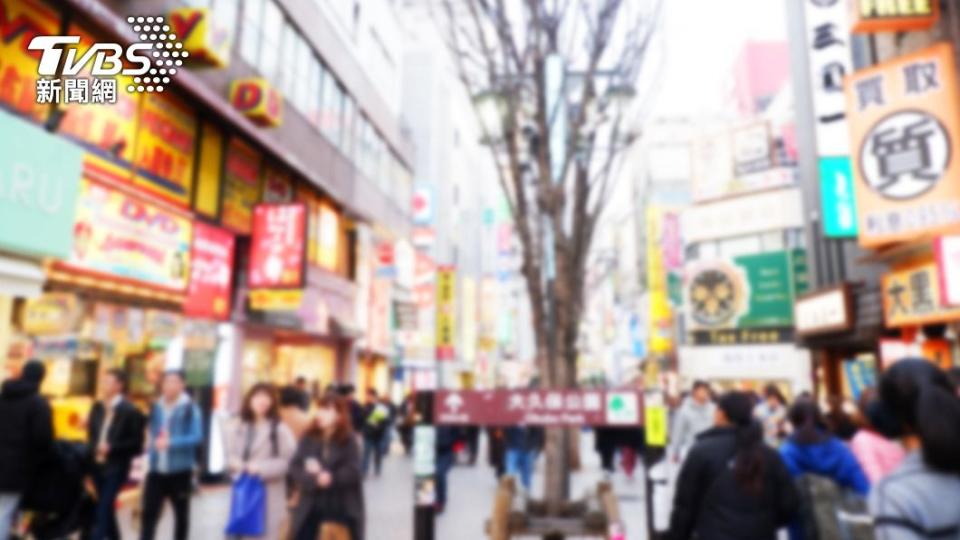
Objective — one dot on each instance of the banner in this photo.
(125, 236)
(211, 274)
(751, 291)
(21, 21)
(904, 118)
(277, 251)
(166, 137)
(446, 313)
(241, 186)
(660, 316)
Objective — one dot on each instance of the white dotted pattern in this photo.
(168, 52)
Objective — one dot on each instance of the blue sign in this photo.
(837, 199)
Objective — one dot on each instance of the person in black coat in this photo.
(731, 485)
(115, 434)
(26, 438)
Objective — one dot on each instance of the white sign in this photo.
(623, 408)
(422, 205)
(948, 266)
(752, 148)
(822, 313)
(713, 166)
(783, 362)
(828, 52)
(424, 450)
(761, 212)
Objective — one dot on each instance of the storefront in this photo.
(739, 316)
(37, 194)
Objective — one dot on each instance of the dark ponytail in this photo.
(918, 399)
(748, 466)
(807, 422)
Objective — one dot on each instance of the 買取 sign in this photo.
(38, 194)
(904, 118)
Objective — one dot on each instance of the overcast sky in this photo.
(700, 40)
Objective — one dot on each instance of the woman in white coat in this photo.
(259, 444)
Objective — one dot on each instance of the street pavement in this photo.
(389, 501)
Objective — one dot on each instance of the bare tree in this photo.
(555, 147)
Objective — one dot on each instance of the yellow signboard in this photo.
(51, 314)
(21, 21)
(112, 128)
(276, 299)
(164, 159)
(241, 186)
(202, 35)
(911, 297)
(660, 330)
(446, 315)
(255, 98)
(655, 425)
(208, 171)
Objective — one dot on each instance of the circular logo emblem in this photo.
(905, 154)
(714, 297)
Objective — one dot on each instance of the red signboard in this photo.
(211, 273)
(278, 246)
(539, 407)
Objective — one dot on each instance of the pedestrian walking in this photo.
(175, 433)
(445, 454)
(877, 455)
(605, 444)
(259, 444)
(292, 413)
(695, 415)
(303, 392)
(918, 405)
(497, 450)
(772, 414)
(732, 486)
(387, 439)
(524, 444)
(406, 421)
(812, 450)
(26, 438)
(327, 475)
(375, 425)
(114, 438)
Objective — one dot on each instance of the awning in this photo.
(21, 278)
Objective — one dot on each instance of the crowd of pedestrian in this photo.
(891, 471)
(300, 454)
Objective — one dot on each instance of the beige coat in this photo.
(272, 466)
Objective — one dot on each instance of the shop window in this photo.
(315, 83)
(349, 115)
(331, 109)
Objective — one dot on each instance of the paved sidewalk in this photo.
(389, 502)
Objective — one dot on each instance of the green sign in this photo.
(750, 291)
(39, 180)
(770, 289)
(198, 367)
(837, 198)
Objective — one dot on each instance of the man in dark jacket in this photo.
(26, 437)
(714, 503)
(115, 438)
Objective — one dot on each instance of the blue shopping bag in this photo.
(248, 507)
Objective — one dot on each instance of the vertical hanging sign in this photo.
(828, 52)
(446, 321)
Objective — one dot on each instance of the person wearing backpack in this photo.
(813, 451)
(921, 498)
(261, 445)
(376, 422)
(731, 485)
(175, 432)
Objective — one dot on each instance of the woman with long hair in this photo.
(327, 473)
(921, 498)
(259, 444)
(731, 485)
(772, 414)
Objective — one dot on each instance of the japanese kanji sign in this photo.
(912, 297)
(538, 407)
(904, 117)
(828, 50)
(446, 318)
(278, 247)
(211, 273)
